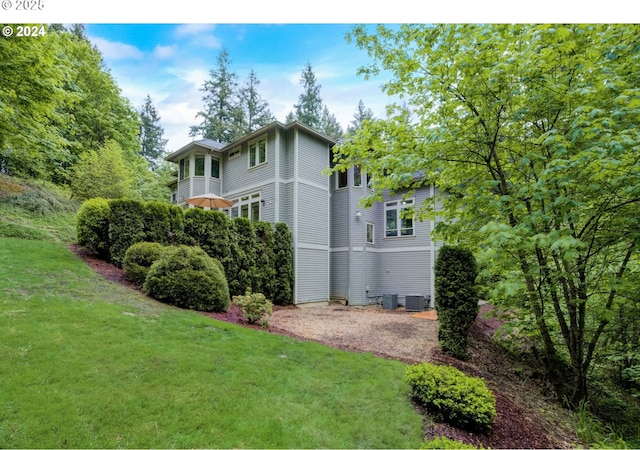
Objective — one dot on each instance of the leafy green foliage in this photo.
(102, 174)
(456, 298)
(138, 259)
(445, 443)
(254, 306)
(152, 142)
(92, 226)
(126, 227)
(283, 246)
(452, 396)
(188, 278)
(529, 134)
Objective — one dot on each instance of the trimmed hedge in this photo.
(126, 227)
(283, 249)
(187, 277)
(452, 396)
(456, 298)
(92, 226)
(139, 258)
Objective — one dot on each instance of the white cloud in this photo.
(116, 50)
(193, 28)
(165, 51)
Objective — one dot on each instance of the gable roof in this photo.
(215, 146)
(208, 144)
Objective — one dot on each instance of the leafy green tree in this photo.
(222, 116)
(255, 110)
(31, 88)
(152, 142)
(101, 174)
(529, 133)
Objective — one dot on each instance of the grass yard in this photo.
(86, 363)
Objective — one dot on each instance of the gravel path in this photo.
(394, 334)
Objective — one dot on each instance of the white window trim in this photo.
(247, 199)
(204, 165)
(346, 175)
(211, 168)
(257, 142)
(373, 233)
(396, 205)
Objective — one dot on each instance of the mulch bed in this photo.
(514, 426)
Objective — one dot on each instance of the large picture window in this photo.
(396, 221)
(258, 152)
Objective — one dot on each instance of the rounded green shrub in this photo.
(450, 395)
(138, 259)
(126, 227)
(92, 226)
(254, 306)
(187, 277)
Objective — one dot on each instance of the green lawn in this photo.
(86, 363)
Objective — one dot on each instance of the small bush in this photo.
(254, 307)
(92, 226)
(188, 278)
(445, 443)
(452, 396)
(139, 258)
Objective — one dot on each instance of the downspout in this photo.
(350, 243)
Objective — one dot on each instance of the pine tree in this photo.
(329, 124)
(361, 115)
(152, 144)
(222, 115)
(255, 111)
(309, 108)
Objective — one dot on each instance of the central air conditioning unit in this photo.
(390, 301)
(414, 302)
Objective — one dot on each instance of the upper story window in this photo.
(342, 179)
(234, 153)
(370, 233)
(199, 166)
(184, 168)
(357, 176)
(396, 221)
(215, 168)
(258, 152)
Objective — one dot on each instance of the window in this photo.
(357, 176)
(396, 221)
(370, 233)
(368, 180)
(247, 206)
(342, 179)
(234, 153)
(184, 168)
(199, 166)
(215, 168)
(258, 152)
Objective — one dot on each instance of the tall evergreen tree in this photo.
(308, 110)
(361, 115)
(152, 143)
(222, 115)
(255, 110)
(329, 124)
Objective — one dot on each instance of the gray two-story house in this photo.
(341, 251)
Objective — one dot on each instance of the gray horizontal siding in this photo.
(198, 186)
(313, 215)
(184, 191)
(313, 158)
(312, 275)
(339, 285)
(404, 273)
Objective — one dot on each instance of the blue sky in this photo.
(171, 62)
